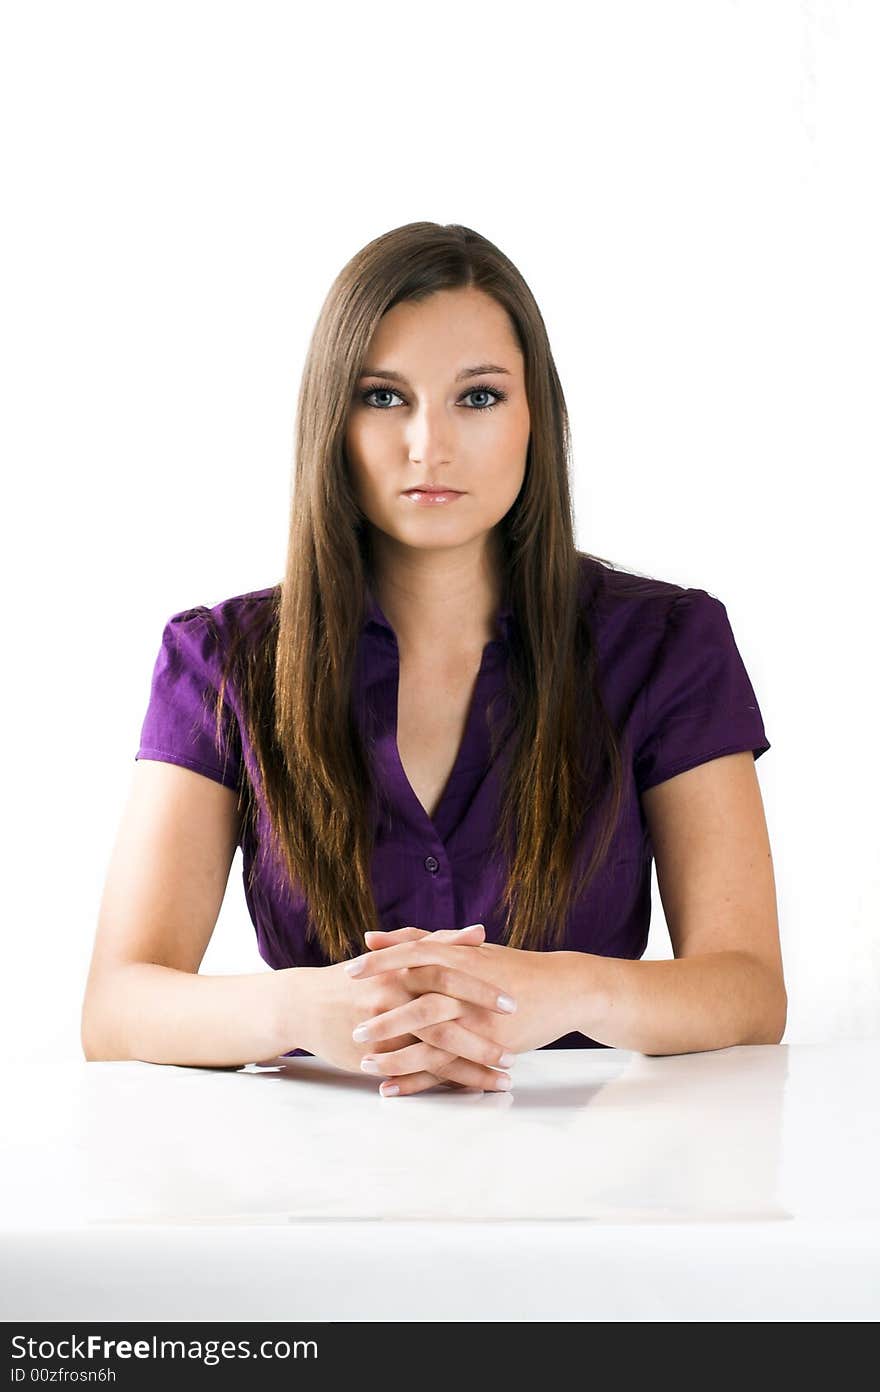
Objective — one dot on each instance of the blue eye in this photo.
(474, 391)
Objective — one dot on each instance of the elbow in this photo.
(88, 1043)
(769, 1006)
(92, 1043)
(99, 1024)
(781, 1017)
(96, 1053)
(775, 1020)
(780, 1013)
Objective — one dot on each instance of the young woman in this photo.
(444, 717)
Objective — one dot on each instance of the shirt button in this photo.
(432, 864)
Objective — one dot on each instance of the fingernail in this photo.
(505, 1003)
(361, 1033)
(504, 1084)
(355, 966)
(506, 1060)
(470, 926)
(369, 1065)
(389, 1089)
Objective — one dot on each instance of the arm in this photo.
(140, 1010)
(715, 875)
(168, 872)
(710, 1001)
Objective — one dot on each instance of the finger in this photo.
(433, 980)
(385, 937)
(400, 938)
(376, 938)
(464, 1043)
(433, 1018)
(415, 1082)
(474, 932)
(458, 1073)
(417, 1057)
(411, 954)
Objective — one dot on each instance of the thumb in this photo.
(377, 938)
(473, 933)
(381, 937)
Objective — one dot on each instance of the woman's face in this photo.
(421, 415)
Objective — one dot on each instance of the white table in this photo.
(738, 1184)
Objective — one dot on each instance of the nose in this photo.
(429, 436)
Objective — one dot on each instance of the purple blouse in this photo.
(673, 681)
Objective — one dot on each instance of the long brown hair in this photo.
(293, 675)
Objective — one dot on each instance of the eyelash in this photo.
(493, 391)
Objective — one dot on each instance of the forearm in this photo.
(162, 1015)
(679, 1006)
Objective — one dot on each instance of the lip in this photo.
(430, 488)
(432, 497)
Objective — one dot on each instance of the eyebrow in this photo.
(478, 371)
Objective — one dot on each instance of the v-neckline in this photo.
(435, 822)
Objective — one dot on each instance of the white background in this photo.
(686, 187)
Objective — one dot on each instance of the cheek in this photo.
(521, 430)
(366, 448)
(353, 440)
(505, 465)
(513, 439)
(357, 452)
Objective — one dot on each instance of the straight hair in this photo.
(291, 660)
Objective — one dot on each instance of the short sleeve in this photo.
(699, 702)
(180, 723)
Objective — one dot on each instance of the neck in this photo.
(439, 602)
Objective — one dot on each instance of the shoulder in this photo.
(625, 606)
(237, 610)
(197, 640)
(647, 631)
(217, 624)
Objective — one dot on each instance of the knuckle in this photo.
(388, 996)
(441, 1063)
(470, 1018)
(429, 1006)
(442, 1034)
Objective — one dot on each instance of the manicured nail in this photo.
(470, 926)
(506, 1003)
(504, 1084)
(369, 1065)
(355, 966)
(360, 1034)
(389, 1089)
(506, 1060)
